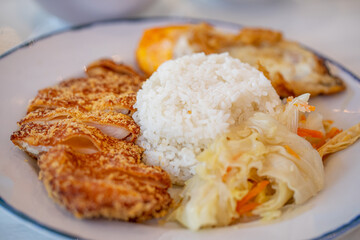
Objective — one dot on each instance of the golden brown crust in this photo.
(109, 87)
(103, 67)
(114, 119)
(109, 83)
(105, 76)
(72, 133)
(119, 103)
(84, 169)
(52, 98)
(104, 185)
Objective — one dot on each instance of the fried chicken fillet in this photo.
(104, 185)
(83, 135)
(114, 124)
(105, 76)
(108, 87)
(37, 138)
(55, 97)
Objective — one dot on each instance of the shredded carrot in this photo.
(236, 156)
(304, 132)
(228, 169)
(333, 132)
(319, 143)
(289, 99)
(251, 194)
(291, 151)
(328, 122)
(302, 119)
(307, 107)
(311, 108)
(247, 207)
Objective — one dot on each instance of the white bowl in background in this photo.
(83, 11)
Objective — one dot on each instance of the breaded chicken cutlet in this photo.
(82, 133)
(55, 97)
(104, 185)
(116, 125)
(108, 87)
(37, 138)
(292, 69)
(105, 76)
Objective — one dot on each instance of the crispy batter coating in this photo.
(119, 103)
(52, 98)
(82, 137)
(104, 67)
(75, 129)
(110, 121)
(104, 185)
(109, 87)
(105, 76)
(98, 85)
(107, 83)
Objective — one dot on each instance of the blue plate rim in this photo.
(337, 232)
(24, 217)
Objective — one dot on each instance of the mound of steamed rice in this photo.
(189, 101)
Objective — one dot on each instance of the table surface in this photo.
(329, 26)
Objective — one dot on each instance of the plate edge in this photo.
(24, 217)
(341, 230)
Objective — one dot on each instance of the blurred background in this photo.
(329, 26)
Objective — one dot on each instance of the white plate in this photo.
(58, 56)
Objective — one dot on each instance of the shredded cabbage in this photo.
(263, 148)
(289, 113)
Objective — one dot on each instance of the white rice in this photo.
(189, 101)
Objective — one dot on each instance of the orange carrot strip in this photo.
(247, 207)
(304, 132)
(302, 118)
(234, 158)
(328, 121)
(311, 108)
(333, 132)
(252, 194)
(307, 107)
(228, 169)
(320, 143)
(291, 151)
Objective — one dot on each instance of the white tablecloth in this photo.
(329, 26)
